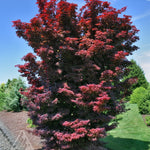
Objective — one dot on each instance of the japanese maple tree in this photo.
(76, 69)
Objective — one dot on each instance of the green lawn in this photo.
(131, 133)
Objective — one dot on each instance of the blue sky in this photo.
(12, 48)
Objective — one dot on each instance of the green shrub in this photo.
(147, 119)
(11, 100)
(141, 97)
(2, 100)
(30, 123)
(2, 87)
(144, 104)
(13, 96)
(137, 95)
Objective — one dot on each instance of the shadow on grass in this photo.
(116, 143)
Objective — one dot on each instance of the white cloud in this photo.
(146, 69)
(141, 16)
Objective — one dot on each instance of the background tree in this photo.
(135, 71)
(12, 96)
(2, 87)
(2, 95)
(76, 86)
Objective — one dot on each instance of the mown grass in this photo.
(131, 133)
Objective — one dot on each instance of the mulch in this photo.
(16, 123)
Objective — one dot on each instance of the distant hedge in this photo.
(10, 97)
(141, 97)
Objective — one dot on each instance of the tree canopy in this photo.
(76, 85)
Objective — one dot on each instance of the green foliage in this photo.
(2, 100)
(2, 95)
(10, 97)
(144, 104)
(13, 98)
(148, 89)
(30, 123)
(136, 71)
(141, 97)
(147, 120)
(2, 87)
(138, 95)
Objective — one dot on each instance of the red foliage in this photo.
(76, 86)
